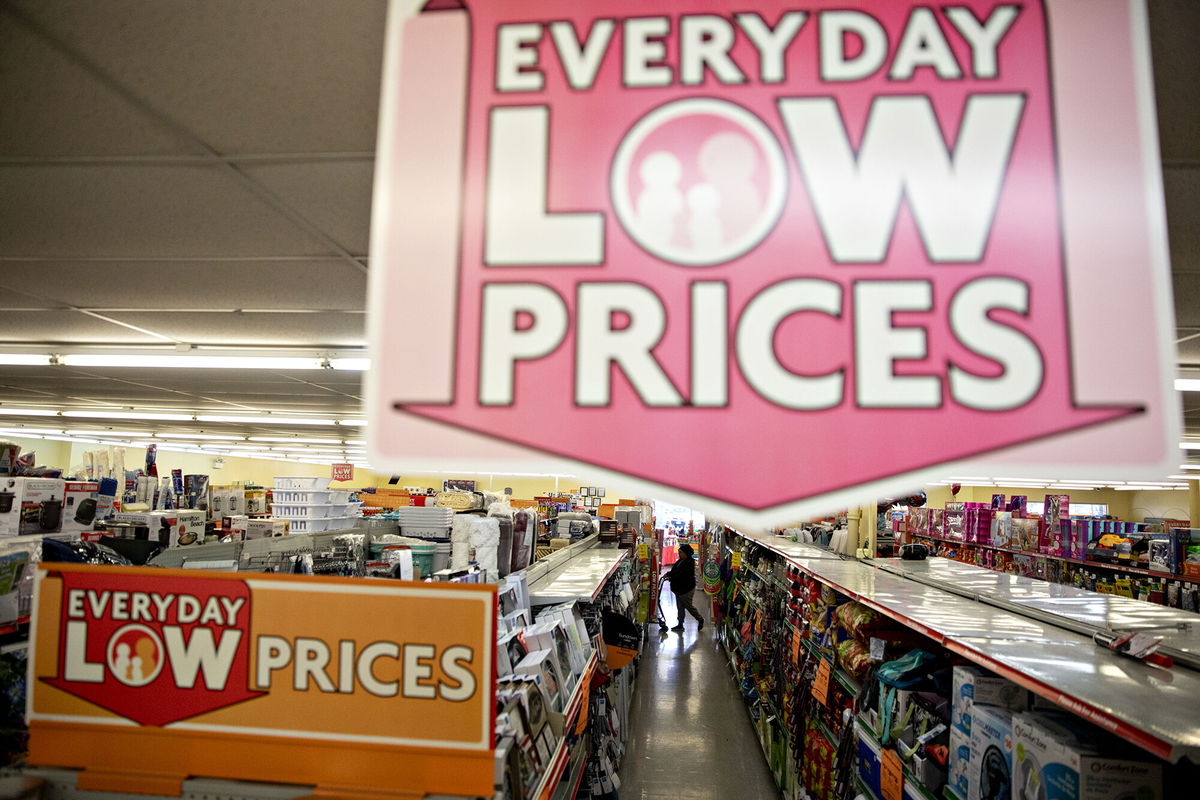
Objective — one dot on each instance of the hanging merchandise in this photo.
(152, 460)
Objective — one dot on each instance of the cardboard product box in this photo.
(1058, 758)
(266, 528)
(161, 526)
(539, 666)
(79, 506)
(189, 532)
(975, 685)
(226, 501)
(31, 505)
(989, 775)
(959, 765)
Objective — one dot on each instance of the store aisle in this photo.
(691, 738)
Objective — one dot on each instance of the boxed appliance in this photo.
(189, 532)
(989, 776)
(266, 528)
(226, 501)
(160, 526)
(79, 506)
(1058, 758)
(31, 505)
(959, 766)
(976, 686)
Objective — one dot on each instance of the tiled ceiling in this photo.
(198, 174)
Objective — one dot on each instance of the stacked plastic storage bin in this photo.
(310, 505)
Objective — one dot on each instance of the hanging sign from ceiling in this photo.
(143, 678)
(845, 247)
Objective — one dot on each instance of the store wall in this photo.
(1169, 504)
(49, 453)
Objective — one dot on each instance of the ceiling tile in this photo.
(1174, 29)
(298, 76)
(333, 195)
(66, 326)
(321, 329)
(53, 106)
(326, 285)
(141, 211)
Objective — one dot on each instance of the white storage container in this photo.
(302, 483)
(306, 510)
(315, 525)
(305, 496)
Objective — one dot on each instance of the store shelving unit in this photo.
(562, 757)
(1140, 703)
(580, 576)
(1105, 565)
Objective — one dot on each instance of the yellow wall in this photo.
(1169, 504)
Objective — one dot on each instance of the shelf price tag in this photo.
(796, 647)
(643, 552)
(820, 688)
(891, 778)
(737, 561)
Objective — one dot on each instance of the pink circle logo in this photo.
(698, 182)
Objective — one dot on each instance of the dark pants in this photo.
(683, 602)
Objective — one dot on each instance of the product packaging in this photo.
(189, 532)
(990, 773)
(539, 666)
(160, 526)
(227, 501)
(266, 528)
(976, 686)
(31, 505)
(79, 506)
(959, 765)
(1058, 758)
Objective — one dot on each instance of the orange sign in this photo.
(796, 647)
(820, 688)
(262, 677)
(891, 777)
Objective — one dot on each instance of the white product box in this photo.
(79, 506)
(31, 505)
(189, 532)
(1057, 759)
(960, 763)
(973, 685)
(267, 528)
(163, 526)
(990, 775)
(226, 501)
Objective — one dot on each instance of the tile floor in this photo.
(691, 738)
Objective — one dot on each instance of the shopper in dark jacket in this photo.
(683, 585)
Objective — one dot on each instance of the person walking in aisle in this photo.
(683, 585)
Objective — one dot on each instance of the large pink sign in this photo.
(741, 251)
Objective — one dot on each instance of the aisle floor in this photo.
(691, 738)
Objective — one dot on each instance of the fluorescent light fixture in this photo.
(967, 480)
(188, 362)
(293, 440)
(1189, 466)
(351, 364)
(28, 431)
(355, 441)
(135, 415)
(109, 434)
(1189, 445)
(291, 449)
(24, 360)
(1183, 477)
(28, 412)
(358, 423)
(264, 420)
(201, 436)
(1187, 385)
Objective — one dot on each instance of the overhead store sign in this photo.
(764, 254)
(178, 669)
